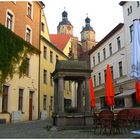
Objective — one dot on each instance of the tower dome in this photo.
(87, 20)
(87, 25)
(87, 36)
(64, 26)
(64, 14)
(65, 20)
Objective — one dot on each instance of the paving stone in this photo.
(37, 129)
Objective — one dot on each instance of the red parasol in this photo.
(92, 97)
(137, 92)
(109, 87)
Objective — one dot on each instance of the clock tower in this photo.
(65, 27)
(87, 36)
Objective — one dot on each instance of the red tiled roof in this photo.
(60, 40)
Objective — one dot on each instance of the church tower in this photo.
(87, 36)
(65, 27)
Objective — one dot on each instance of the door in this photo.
(30, 105)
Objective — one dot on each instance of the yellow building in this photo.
(49, 55)
(19, 100)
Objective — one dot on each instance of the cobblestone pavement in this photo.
(37, 129)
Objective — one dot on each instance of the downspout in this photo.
(39, 68)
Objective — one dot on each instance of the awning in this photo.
(126, 93)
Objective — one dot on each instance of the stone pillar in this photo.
(55, 97)
(60, 95)
(80, 96)
(87, 95)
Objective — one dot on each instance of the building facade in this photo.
(19, 101)
(115, 49)
(50, 53)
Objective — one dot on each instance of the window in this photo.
(110, 49)
(93, 60)
(131, 32)
(29, 9)
(98, 57)
(28, 34)
(99, 74)
(51, 79)
(45, 102)
(45, 76)
(129, 10)
(51, 56)
(138, 3)
(94, 80)
(10, 22)
(20, 100)
(120, 69)
(104, 53)
(5, 99)
(119, 43)
(27, 67)
(42, 26)
(57, 58)
(105, 75)
(45, 52)
(112, 72)
(51, 103)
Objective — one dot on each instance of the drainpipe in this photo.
(39, 69)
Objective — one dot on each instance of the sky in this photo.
(105, 15)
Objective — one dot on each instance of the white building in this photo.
(114, 49)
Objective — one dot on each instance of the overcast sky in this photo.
(104, 15)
